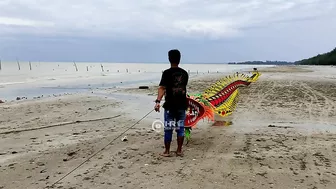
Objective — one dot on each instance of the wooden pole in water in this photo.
(30, 65)
(87, 68)
(18, 63)
(102, 67)
(75, 66)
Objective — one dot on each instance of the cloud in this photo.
(143, 30)
(22, 22)
(152, 18)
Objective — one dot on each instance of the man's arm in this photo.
(187, 78)
(161, 92)
(162, 87)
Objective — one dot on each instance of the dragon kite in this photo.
(221, 98)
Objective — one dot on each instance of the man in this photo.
(173, 85)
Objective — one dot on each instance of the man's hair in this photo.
(174, 56)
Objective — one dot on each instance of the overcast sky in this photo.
(144, 30)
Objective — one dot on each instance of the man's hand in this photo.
(161, 92)
(157, 107)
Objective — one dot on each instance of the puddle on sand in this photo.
(31, 92)
(125, 96)
(222, 123)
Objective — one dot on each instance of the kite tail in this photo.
(221, 98)
(187, 134)
(229, 106)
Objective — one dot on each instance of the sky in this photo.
(205, 31)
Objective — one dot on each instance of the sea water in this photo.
(34, 79)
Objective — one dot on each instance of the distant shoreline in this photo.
(81, 62)
(262, 63)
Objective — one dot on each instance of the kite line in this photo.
(86, 160)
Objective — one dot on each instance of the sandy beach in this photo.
(282, 136)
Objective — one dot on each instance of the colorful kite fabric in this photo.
(221, 98)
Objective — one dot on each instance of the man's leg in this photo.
(181, 114)
(168, 132)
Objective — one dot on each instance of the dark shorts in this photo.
(173, 120)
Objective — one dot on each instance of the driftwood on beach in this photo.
(57, 125)
(143, 87)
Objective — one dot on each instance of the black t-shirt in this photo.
(175, 80)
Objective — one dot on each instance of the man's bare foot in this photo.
(165, 154)
(179, 154)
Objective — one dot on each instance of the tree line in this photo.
(321, 59)
(328, 58)
(263, 62)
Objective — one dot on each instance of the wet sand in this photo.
(282, 136)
